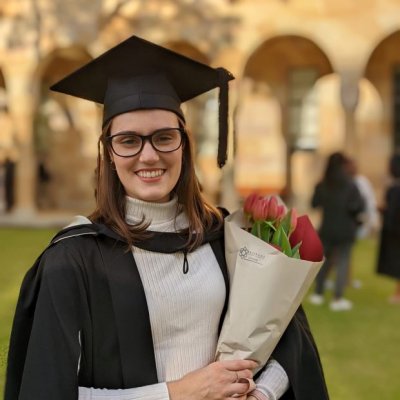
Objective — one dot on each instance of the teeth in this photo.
(150, 174)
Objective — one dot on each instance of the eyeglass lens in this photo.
(128, 144)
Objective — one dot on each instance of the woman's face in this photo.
(150, 175)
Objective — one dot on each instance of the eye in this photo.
(166, 136)
(128, 140)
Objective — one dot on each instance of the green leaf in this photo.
(265, 231)
(285, 222)
(254, 228)
(285, 244)
(296, 251)
(270, 224)
(276, 237)
(281, 239)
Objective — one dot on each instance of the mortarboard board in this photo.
(137, 74)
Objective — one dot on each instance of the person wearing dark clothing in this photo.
(9, 178)
(389, 248)
(341, 203)
(128, 303)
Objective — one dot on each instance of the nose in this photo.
(148, 153)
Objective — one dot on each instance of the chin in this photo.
(154, 198)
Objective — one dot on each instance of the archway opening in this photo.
(289, 66)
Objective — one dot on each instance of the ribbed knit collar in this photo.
(158, 214)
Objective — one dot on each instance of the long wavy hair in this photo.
(335, 172)
(111, 197)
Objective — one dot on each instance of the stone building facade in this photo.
(313, 77)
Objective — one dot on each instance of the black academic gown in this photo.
(389, 249)
(83, 303)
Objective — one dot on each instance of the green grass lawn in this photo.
(360, 349)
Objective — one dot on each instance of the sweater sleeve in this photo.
(158, 391)
(273, 382)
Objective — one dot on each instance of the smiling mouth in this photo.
(151, 174)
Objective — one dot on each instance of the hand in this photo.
(218, 381)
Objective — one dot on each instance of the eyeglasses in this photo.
(129, 144)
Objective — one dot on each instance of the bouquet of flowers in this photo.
(273, 257)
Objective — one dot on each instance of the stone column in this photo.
(349, 96)
(18, 74)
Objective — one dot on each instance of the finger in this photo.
(237, 396)
(239, 388)
(251, 384)
(237, 365)
(245, 373)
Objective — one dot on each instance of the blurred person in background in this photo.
(368, 220)
(2, 188)
(341, 204)
(128, 303)
(9, 186)
(389, 248)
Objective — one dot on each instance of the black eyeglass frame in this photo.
(144, 139)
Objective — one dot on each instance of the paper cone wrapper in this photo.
(266, 288)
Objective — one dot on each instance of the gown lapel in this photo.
(131, 316)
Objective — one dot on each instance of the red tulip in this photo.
(311, 247)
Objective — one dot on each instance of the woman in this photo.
(128, 303)
(341, 204)
(389, 253)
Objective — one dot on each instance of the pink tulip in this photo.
(293, 220)
(311, 247)
(272, 213)
(248, 206)
(260, 209)
(281, 212)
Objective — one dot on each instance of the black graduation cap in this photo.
(137, 74)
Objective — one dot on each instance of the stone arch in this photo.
(65, 135)
(289, 66)
(383, 71)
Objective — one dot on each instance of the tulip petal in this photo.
(248, 206)
(311, 247)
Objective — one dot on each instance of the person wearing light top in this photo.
(128, 303)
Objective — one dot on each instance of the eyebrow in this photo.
(127, 132)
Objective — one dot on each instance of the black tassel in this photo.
(224, 77)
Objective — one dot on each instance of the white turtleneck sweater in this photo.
(184, 309)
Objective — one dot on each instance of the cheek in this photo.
(122, 166)
(179, 163)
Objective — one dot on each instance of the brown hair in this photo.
(110, 197)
